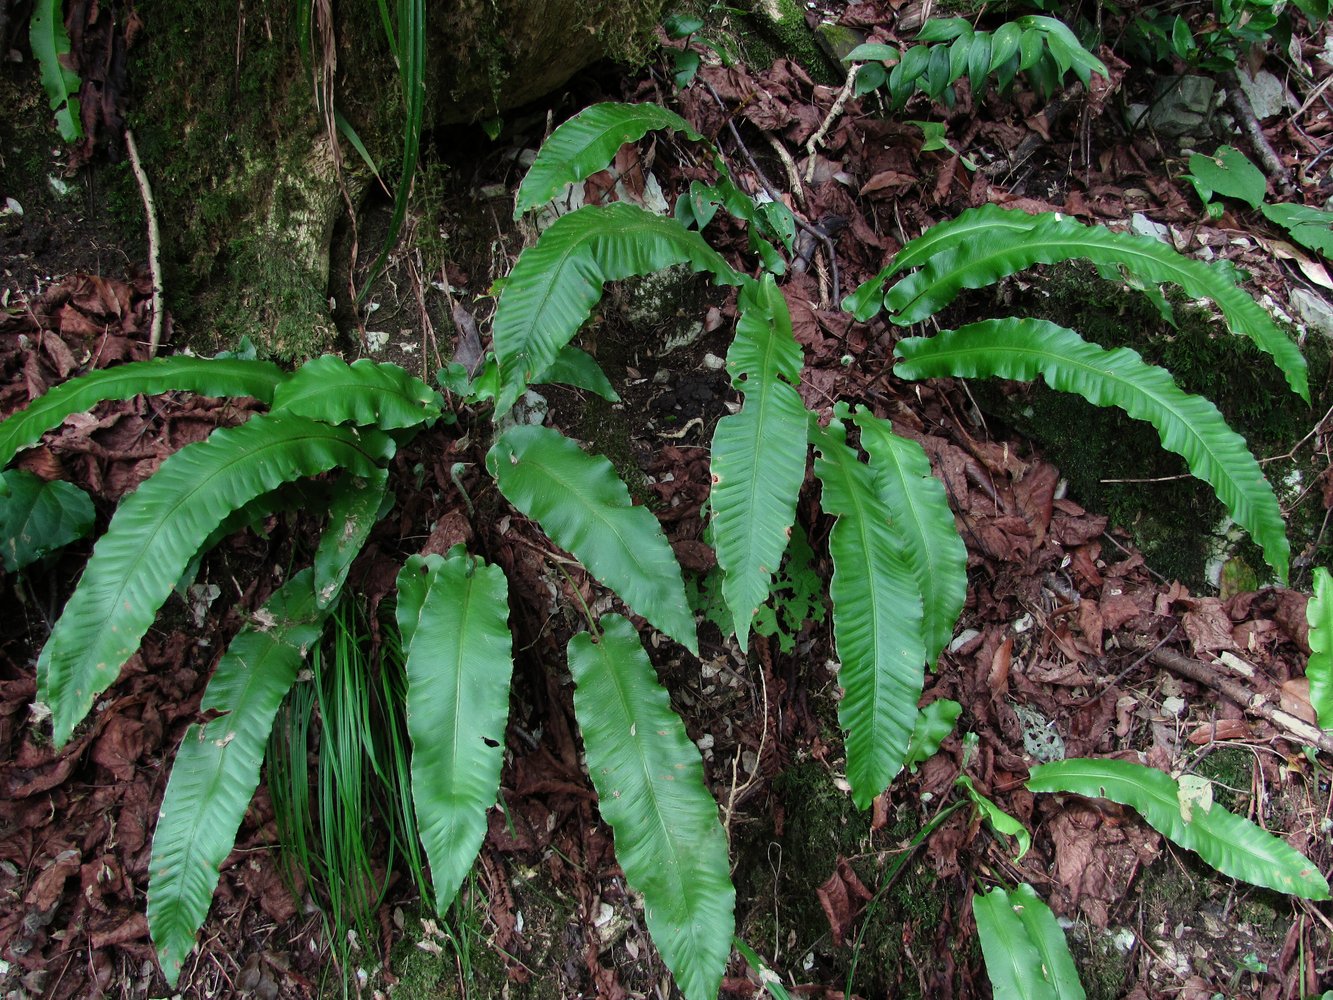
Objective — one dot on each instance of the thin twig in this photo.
(835, 112)
(772, 192)
(1251, 701)
(154, 241)
(1239, 105)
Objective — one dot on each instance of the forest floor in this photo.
(1088, 564)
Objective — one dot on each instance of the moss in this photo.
(1091, 445)
(777, 881)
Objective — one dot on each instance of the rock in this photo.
(838, 40)
(1267, 94)
(1313, 310)
(1182, 107)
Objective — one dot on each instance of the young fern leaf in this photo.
(876, 618)
(923, 526)
(38, 517)
(985, 244)
(207, 377)
(651, 792)
(365, 393)
(217, 767)
(583, 506)
(558, 280)
(453, 616)
(758, 461)
(1188, 425)
(157, 530)
(1227, 842)
(1027, 957)
(355, 509)
(587, 143)
(1319, 668)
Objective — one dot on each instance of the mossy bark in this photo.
(241, 165)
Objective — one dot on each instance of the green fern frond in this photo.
(985, 244)
(758, 461)
(876, 618)
(453, 616)
(584, 507)
(157, 530)
(557, 281)
(923, 526)
(1231, 844)
(217, 765)
(1188, 425)
(205, 376)
(586, 143)
(366, 393)
(651, 792)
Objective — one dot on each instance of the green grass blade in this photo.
(651, 792)
(583, 506)
(985, 244)
(558, 280)
(1232, 845)
(922, 524)
(50, 42)
(355, 508)
(207, 377)
(217, 767)
(876, 619)
(587, 143)
(1319, 669)
(758, 461)
(1025, 950)
(453, 615)
(1188, 425)
(366, 393)
(408, 44)
(159, 528)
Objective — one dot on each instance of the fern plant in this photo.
(899, 565)
(452, 614)
(949, 49)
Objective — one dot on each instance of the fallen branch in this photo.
(840, 102)
(1239, 105)
(154, 242)
(1251, 701)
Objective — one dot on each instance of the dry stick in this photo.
(1252, 701)
(1239, 105)
(815, 231)
(834, 113)
(154, 241)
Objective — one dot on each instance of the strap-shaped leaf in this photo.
(758, 461)
(587, 143)
(51, 48)
(217, 767)
(366, 393)
(576, 367)
(207, 377)
(650, 790)
(583, 506)
(985, 244)
(1232, 845)
(1188, 425)
(1027, 957)
(876, 619)
(160, 526)
(923, 526)
(453, 614)
(37, 517)
(1319, 669)
(355, 508)
(557, 281)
